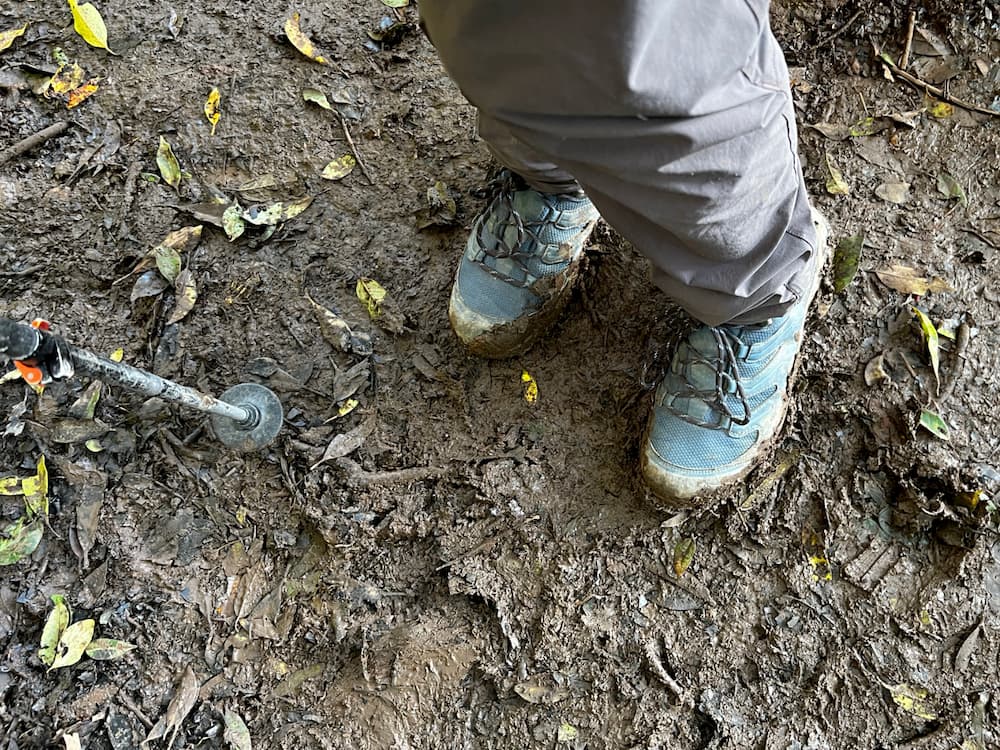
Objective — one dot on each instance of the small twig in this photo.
(127, 702)
(961, 342)
(661, 672)
(358, 477)
(928, 88)
(827, 39)
(23, 272)
(904, 60)
(354, 148)
(26, 144)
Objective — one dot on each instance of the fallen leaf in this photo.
(72, 741)
(336, 331)
(106, 649)
(182, 702)
(940, 110)
(441, 208)
(846, 258)
(232, 222)
(372, 295)
(301, 42)
(212, 113)
(87, 22)
(683, 555)
(965, 651)
(864, 127)
(36, 490)
(894, 192)
(931, 339)
(909, 281)
(934, 424)
(875, 370)
(7, 37)
(949, 187)
(19, 539)
(339, 168)
(347, 407)
(566, 732)
(317, 97)
(168, 165)
(11, 486)
(187, 295)
(347, 442)
(912, 700)
(84, 92)
(276, 213)
(396, 3)
(296, 679)
(72, 643)
(55, 624)
(149, 284)
(833, 131)
(117, 355)
(539, 689)
(909, 119)
(236, 733)
(835, 185)
(929, 44)
(66, 78)
(168, 262)
(530, 387)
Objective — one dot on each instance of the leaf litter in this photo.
(300, 41)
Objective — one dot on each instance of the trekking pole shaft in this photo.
(149, 384)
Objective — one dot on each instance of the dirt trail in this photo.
(475, 570)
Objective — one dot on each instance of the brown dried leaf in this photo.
(909, 281)
(187, 295)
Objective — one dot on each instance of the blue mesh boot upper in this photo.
(519, 264)
(722, 401)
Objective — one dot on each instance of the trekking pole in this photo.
(246, 417)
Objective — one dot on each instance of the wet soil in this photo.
(469, 569)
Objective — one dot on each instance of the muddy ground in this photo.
(476, 570)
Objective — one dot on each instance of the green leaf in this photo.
(683, 555)
(232, 222)
(237, 734)
(72, 643)
(276, 213)
(317, 97)
(170, 168)
(846, 258)
(863, 127)
(56, 623)
(106, 649)
(949, 187)
(931, 338)
(168, 261)
(934, 424)
(19, 540)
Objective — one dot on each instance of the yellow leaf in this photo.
(117, 355)
(941, 110)
(212, 108)
(347, 407)
(300, 40)
(7, 37)
(339, 168)
(912, 700)
(11, 486)
(683, 555)
(170, 168)
(57, 622)
(36, 490)
(372, 294)
(72, 643)
(187, 295)
(276, 212)
(836, 185)
(931, 338)
(89, 25)
(77, 96)
(67, 78)
(530, 387)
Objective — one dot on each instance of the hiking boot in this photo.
(721, 404)
(519, 266)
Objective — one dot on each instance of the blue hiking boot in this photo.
(722, 402)
(519, 266)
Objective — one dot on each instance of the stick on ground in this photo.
(26, 144)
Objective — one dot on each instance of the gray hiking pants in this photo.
(675, 117)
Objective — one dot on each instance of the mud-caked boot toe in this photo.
(722, 401)
(519, 266)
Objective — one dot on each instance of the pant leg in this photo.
(674, 116)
